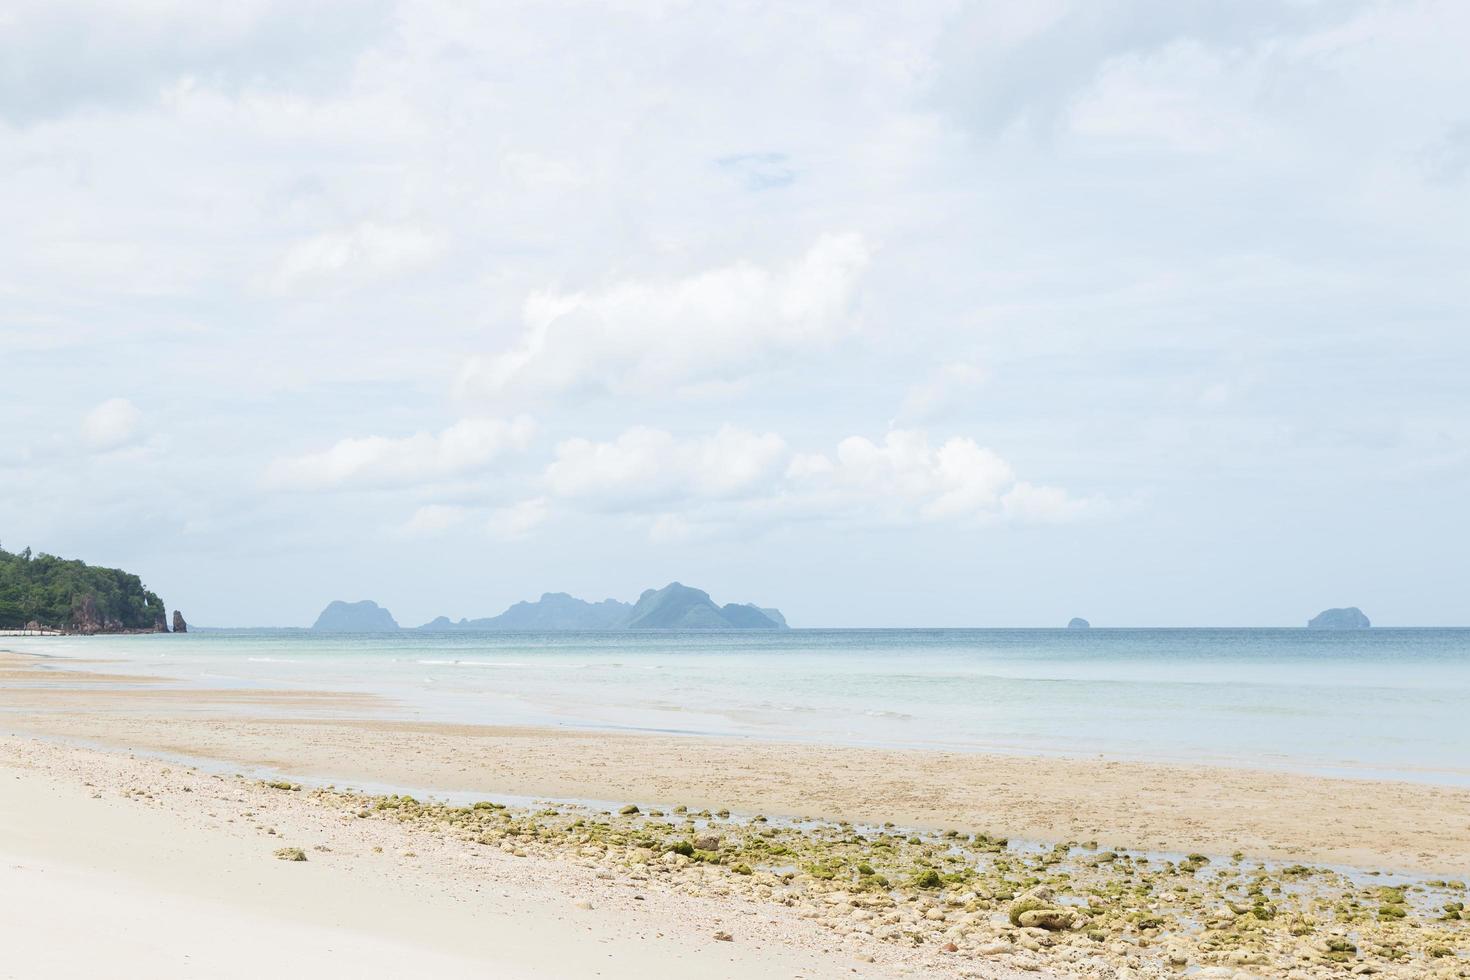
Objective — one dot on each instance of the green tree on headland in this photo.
(62, 594)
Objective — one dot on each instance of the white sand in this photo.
(181, 883)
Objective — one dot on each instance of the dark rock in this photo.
(1351, 618)
(179, 625)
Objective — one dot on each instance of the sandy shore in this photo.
(1215, 810)
(157, 835)
(169, 872)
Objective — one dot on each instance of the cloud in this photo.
(684, 487)
(362, 253)
(942, 389)
(759, 171)
(111, 425)
(433, 519)
(65, 55)
(903, 478)
(375, 461)
(518, 520)
(646, 466)
(715, 325)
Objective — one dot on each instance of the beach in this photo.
(196, 764)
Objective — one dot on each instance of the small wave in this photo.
(272, 660)
(473, 663)
(878, 713)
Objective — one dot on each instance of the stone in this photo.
(179, 625)
(1050, 919)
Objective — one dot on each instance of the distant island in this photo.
(44, 593)
(673, 607)
(355, 617)
(1078, 623)
(1351, 618)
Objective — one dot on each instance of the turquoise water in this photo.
(1381, 702)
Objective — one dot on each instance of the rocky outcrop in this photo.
(85, 617)
(179, 625)
(1078, 623)
(355, 617)
(1351, 618)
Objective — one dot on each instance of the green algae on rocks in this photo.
(984, 896)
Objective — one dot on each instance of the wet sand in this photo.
(324, 736)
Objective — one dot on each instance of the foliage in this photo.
(52, 591)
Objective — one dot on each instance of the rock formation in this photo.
(179, 625)
(1078, 623)
(675, 606)
(1351, 618)
(355, 617)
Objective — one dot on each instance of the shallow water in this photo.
(1381, 702)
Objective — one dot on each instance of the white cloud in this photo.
(433, 519)
(362, 253)
(644, 466)
(715, 325)
(1045, 505)
(465, 447)
(735, 477)
(518, 520)
(111, 425)
(903, 478)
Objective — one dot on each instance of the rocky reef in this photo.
(1077, 907)
(1350, 618)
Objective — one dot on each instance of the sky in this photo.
(934, 313)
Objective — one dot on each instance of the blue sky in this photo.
(954, 314)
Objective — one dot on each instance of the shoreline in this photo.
(641, 892)
(837, 859)
(336, 737)
(377, 706)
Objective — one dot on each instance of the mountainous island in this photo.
(355, 617)
(1078, 623)
(43, 592)
(673, 607)
(1351, 618)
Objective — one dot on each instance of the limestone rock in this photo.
(179, 625)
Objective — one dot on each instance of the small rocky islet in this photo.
(1080, 906)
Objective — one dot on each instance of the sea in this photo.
(1376, 703)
